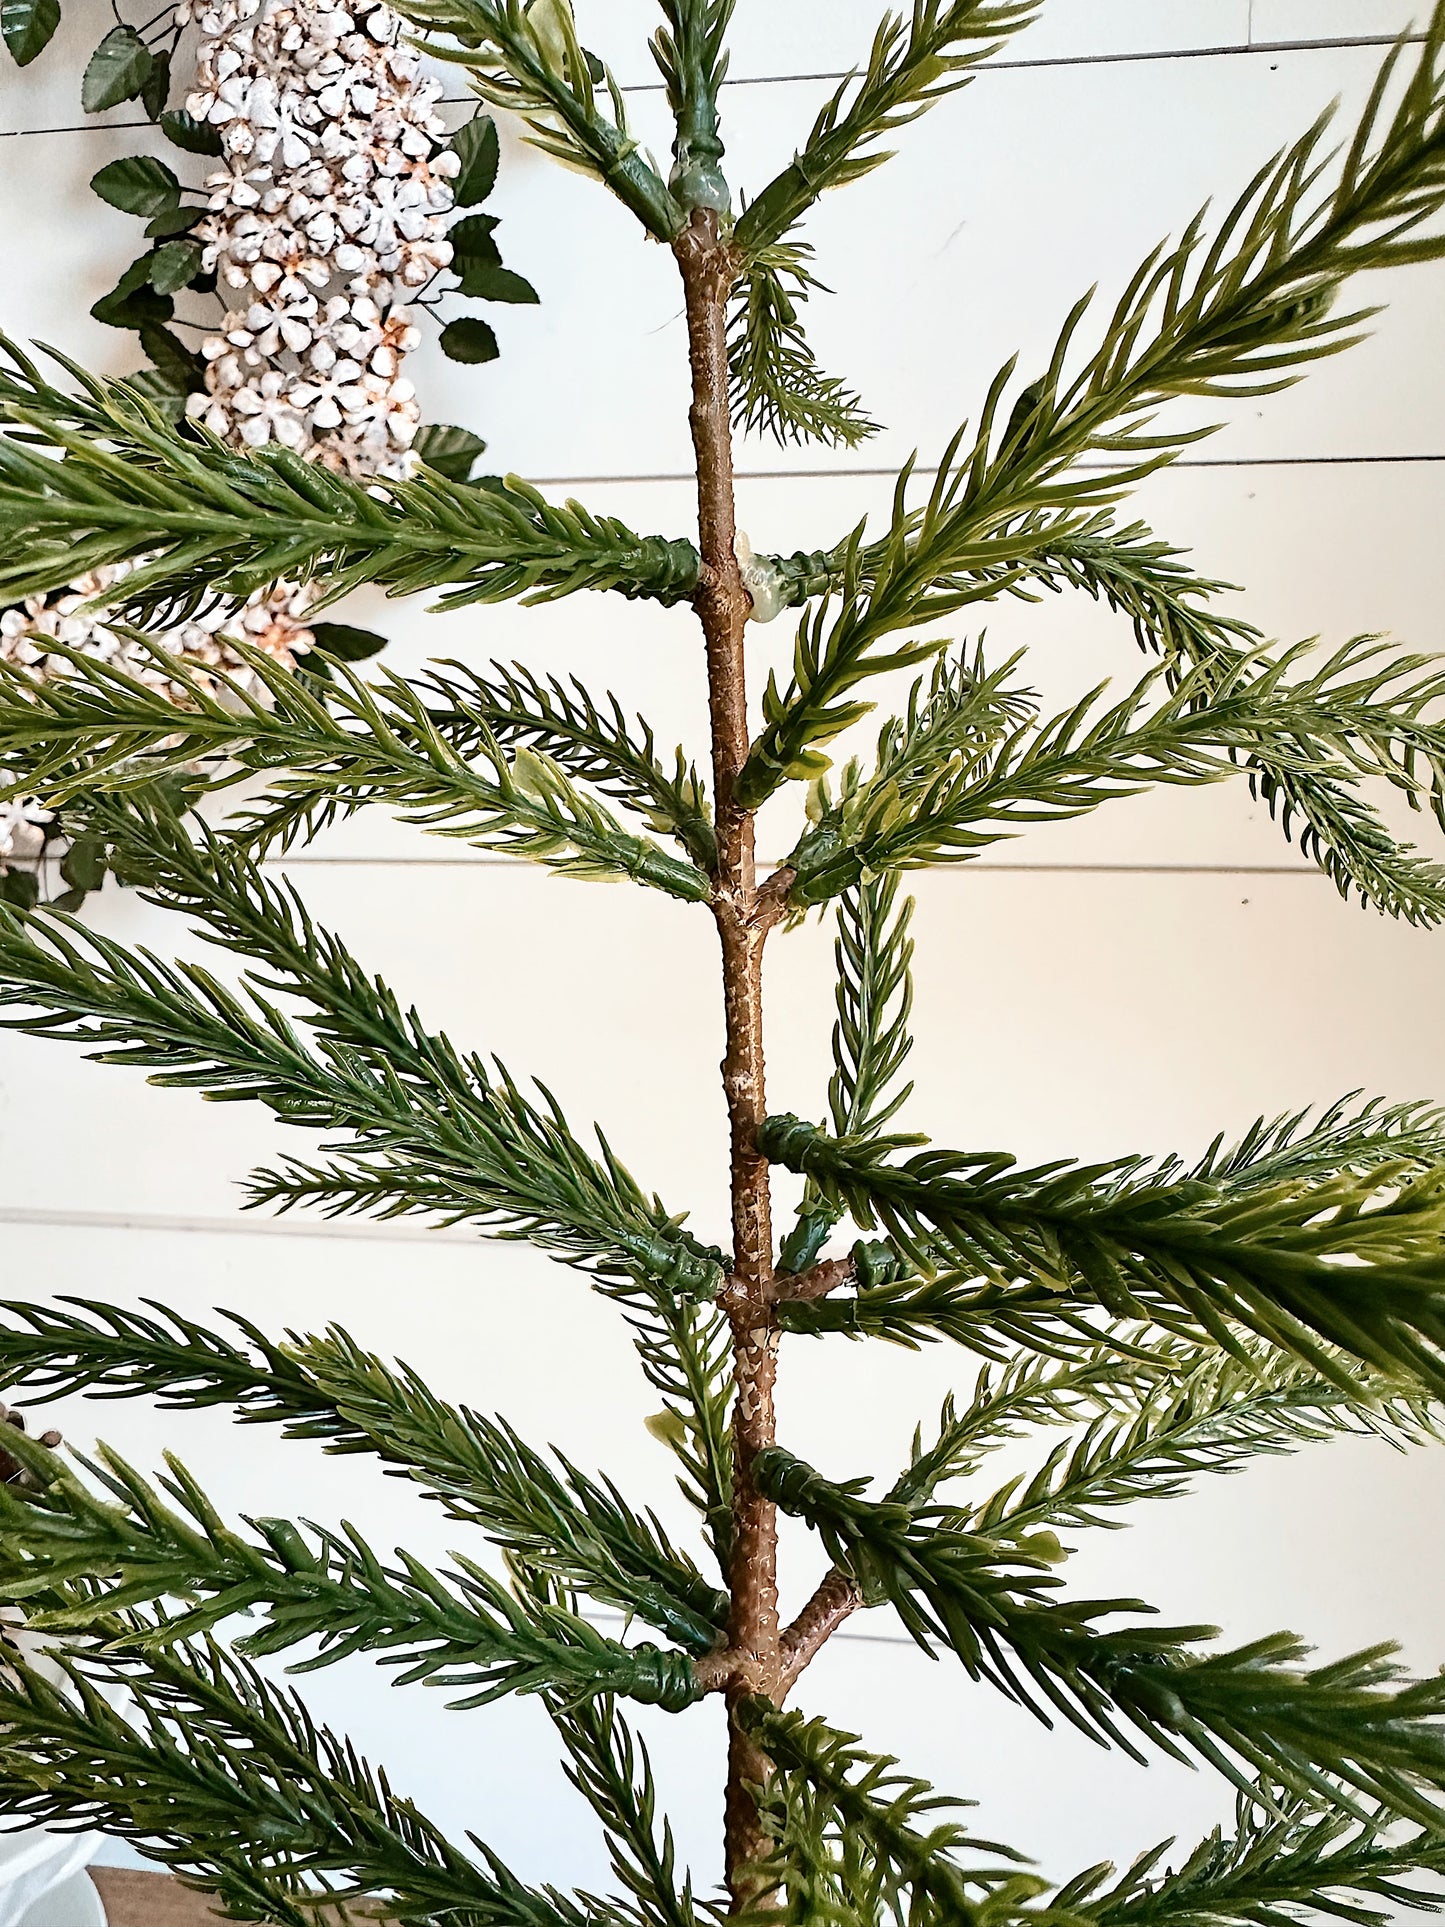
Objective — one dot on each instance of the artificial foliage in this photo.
(1139, 1323)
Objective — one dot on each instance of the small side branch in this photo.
(836, 1599)
(833, 1274)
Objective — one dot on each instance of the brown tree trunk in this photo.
(743, 918)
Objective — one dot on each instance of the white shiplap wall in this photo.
(1136, 980)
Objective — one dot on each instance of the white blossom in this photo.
(327, 213)
(327, 217)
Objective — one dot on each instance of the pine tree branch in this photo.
(943, 804)
(873, 956)
(1240, 313)
(570, 1524)
(227, 1780)
(856, 1840)
(1285, 1855)
(1032, 1392)
(537, 68)
(328, 1388)
(611, 1769)
(1375, 728)
(985, 1599)
(100, 729)
(912, 66)
(685, 1349)
(489, 1155)
(692, 60)
(988, 1319)
(1108, 1382)
(591, 741)
(775, 382)
(124, 1545)
(204, 519)
(1217, 1417)
(1327, 1270)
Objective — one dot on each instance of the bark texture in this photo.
(754, 1659)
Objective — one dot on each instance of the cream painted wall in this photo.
(1134, 981)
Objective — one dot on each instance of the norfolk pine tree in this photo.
(1161, 1319)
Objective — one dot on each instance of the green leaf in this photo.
(486, 282)
(20, 888)
(479, 150)
(469, 340)
(133, 302)
(175, 264)
(453, 452)
(118, 70)
(346, 644)
(28, 26)
(193, 136)
(157, 88)
(84, 865)
(472, 242)
(138, 184)
(173, 220)
(177, 365)
(159, 392)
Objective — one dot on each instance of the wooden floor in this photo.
(155, 1900)
(149, 1900)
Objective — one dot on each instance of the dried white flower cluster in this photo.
(272, 620)
(329, 215)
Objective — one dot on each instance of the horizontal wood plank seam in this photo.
(486, 860)
(920, 469)
(1234, 50)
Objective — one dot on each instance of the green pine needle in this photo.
(204, 519)
(777, 387)
(1241, 312)
(364, 743)
(913, 64)
(230, 1782)
(1325, 1268)
(550, 80)
(73, 1554)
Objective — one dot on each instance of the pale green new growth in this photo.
(1142, 1322)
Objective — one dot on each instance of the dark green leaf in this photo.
(177, 365)
(157, 88)
(452, 452)
(471, 241)
(175, 220)
(346, 644)
(174, 264)
(194, 136)
(137, 185)
(478, 148)
(118, 70)
(160, 392)
(19, 888)
(469, 340)
(27, 26)
(133, 302)
(84, 864)
(485, 282)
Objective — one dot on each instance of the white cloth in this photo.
(33, 1862)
